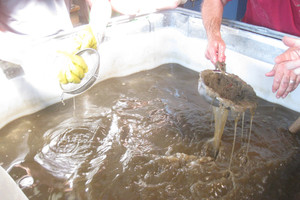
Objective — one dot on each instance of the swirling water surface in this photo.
(144, 137)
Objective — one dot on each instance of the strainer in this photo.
(92, 59)
(227, 90)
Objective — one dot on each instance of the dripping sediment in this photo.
(233, 94)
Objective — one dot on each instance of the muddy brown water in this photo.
(143, 137)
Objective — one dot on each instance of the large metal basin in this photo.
(135, 44)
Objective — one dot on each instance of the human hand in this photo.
(80, 40)
(292, 54)
(85, 38)
(215, 50)
(286, 71)
(285, 80)
(73, 68)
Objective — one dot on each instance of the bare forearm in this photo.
(89, 3)
(212, 11)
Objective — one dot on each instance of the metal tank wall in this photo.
(145, 42)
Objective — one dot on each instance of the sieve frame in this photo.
(214, 98)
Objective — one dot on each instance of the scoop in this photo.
(205, 92)
(100, 15)
(227, 90)
(92, 59)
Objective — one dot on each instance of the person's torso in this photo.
(280, 15)
(34, 17)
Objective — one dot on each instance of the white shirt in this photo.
(35, 17)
